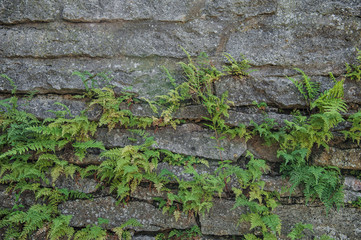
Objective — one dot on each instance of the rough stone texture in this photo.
(43, 42)
(221, 220)
(55, 76)
(189, 139)
(342, 224)
(257, 146)
(306, 34)
(41, 104)
(19, 11)
(342, 158)
(352, 183)
(88, 211)
(95, 11)
(84, 185)
(107, 40)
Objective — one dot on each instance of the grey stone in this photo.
(88, 211)
(230, 9)
(341, 158)
(143, 237)
(297, 37)
(85, 185)
(95, 11)
(147, 194)
(352, 183)
(342, 224)
(257, 146)
(238, 117)
(107, 40)
(7, 200)
(221, 220)
(144, 76)
(20, 11)
(189, 139)
(273, 91)
(351, 196)
(279, 184)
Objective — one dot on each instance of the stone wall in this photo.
(43, 41)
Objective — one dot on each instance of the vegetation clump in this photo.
(30, 159)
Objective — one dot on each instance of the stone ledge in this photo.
(88, 211)
(189, 139)
(22, 11)
(108, 40)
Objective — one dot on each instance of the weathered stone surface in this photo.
(189, 139)
(279, 184)
(272, 90)
(342, 224)
(342, 158)
(147, 194)
(257, 146)
(300, 35)
(95, 11)
(6, 200)
(239, 117)
(19, 11)
(351, 196)
(85, 185)
(145, 76)
(352, 183)
(221, 220)
(88, 211)
(233, 8)
(141, 39)
(41, 104)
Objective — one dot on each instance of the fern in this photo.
(354, 71)
(121, 233)
(297, 231)
(59, 228)
(236, 68)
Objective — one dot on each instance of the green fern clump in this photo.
(354, 71)
(21, 224)
(354, 132)
(259, 203)
(236, 68)
(124, 168)
(124, 234)
(316, 182)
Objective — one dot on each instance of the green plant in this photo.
(237, 68)
(124, 168)
(92, 231)
(259, 203)
(123, 234)
(354, 71)
(193, 233)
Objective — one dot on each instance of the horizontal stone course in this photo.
(342, 158)
(88, 211)
(20, 11)
(189, 139)
(93, 11)
(107, 40)
(342, 224)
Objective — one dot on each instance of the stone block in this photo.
(342, 224)
(21, 11)
(88, 211)
(341, 158)
(188, 139)
(95, 11)
(221, 220)
(108, 40)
